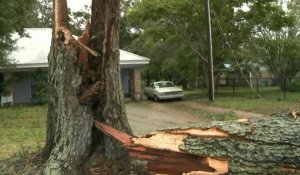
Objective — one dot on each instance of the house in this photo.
(230, 75)
(31, 55)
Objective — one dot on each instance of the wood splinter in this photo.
(92, 52)
(294, 113)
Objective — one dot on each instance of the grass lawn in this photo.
(22, 129)
(270, 102)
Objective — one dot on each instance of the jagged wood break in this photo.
(62, 30)
(258, 146)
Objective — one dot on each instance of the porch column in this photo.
(137, 82)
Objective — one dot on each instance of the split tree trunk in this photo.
(258, 146)
(108, 104)
(81, 90)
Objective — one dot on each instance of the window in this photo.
(152, 85)
(164, 84)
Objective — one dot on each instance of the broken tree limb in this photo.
(92, 52)
(62, 30)
(257, 146)
(83, 42)
(163, 159)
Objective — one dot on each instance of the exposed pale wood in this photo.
(211, 132)
(61, 17)
(162, 152)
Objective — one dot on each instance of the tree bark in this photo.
(79, 93)
(263, 146)
(108, 104)
(69, 122)
(258, 146)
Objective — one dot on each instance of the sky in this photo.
(76, 5)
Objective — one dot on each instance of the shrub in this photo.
(39, 86)
(294, 86)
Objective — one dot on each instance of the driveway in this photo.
(148, 116)
(145, 117)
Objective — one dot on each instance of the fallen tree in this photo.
(257, 146)
(85, 88)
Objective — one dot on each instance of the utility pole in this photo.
(211, 86)
(197, 68)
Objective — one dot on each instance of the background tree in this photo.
(78, 20)
(173, 34)
(126, 35)
(13, 18)
(276, 41)
(41, 15)
(175, 30)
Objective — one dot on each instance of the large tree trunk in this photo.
(258, 146)
(81, 90)
(108, 105)
(69, 123)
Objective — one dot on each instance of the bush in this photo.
(39, 86)
(294, 86)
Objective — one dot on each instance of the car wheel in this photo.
(156, 98)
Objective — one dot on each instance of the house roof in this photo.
(32, 51)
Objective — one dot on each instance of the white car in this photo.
(163, 90)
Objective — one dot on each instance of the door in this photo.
(21, 89)
(125, 82)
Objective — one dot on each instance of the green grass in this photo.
(223, 116)
(204, 115)
(273, 93)
(261, 106)
(270, 102)
(22, 129)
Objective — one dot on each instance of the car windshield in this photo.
(164, 84)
